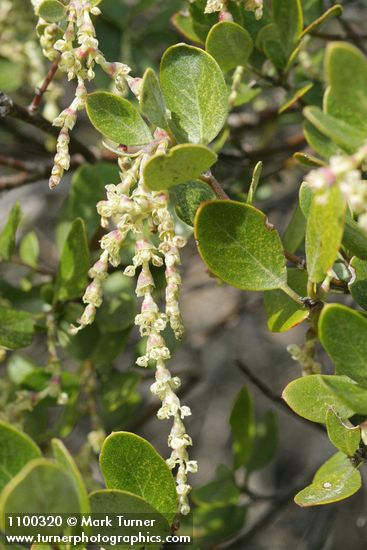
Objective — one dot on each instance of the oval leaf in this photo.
(195, 92)
(16, 450)
(313, 395)
(335, 481)
(52, 11)
(125, 460)
(117, 119)
(239, 247)
(342, 434)
(180, 164)
(342, 332)
(324, 233)
(151, 100)
(229, 44)
(52, 491)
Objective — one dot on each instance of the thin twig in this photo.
(215, 185)
(268, 392)
(42, 89)
(9, 108)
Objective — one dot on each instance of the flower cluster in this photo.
(135, 210)
(345, 171)
(77, 52)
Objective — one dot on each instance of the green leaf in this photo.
(358, 284)
(318, 141)
(342, 332)
(230, 45)
(342, 434)
(64, 458)
(294, 96)
(19, 367)
(256, 174)
(342, 133)
(324, 233)
(119, 306)
(86, 189)
(125, 461)
(52, 491)
(242, 428)
(180, 164)
(195, 92)
(313, 395)
(336, 480)
(111, 502)
(51, 11)
(16, 328)
(151, 100)
(345, 63)
(7, 235)
(265, 442)
(201, 22)
(117, 119)
(282, 312)
(219, 492)
(16, 450)
(74, 263)
(334, 11)
(355, 239)
(239, 247)
(187, 197)
(309, 160)
(213, 524)
(11, 75)
(184, 24)
(29, 249)
(295, 232)
(279, 39)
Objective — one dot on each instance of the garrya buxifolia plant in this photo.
(165, 134)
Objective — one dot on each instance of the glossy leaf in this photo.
(343, 332)
(151, 100)
(358, 284)
(239, 247)
(195, 92)
(64, 458)
(336, 480)
(230, 45)
(324, 233)
(52, 491)
(29, 249)
(125, 460)
(282, 312)
(117, 119)
(16, 328)
(52, 11)
(242, 428)
(8, 233)
(16, 450)
(346, 63)
(313, 395)
(74, 263)
(342, 434)
(180, 164)
(187, 198)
